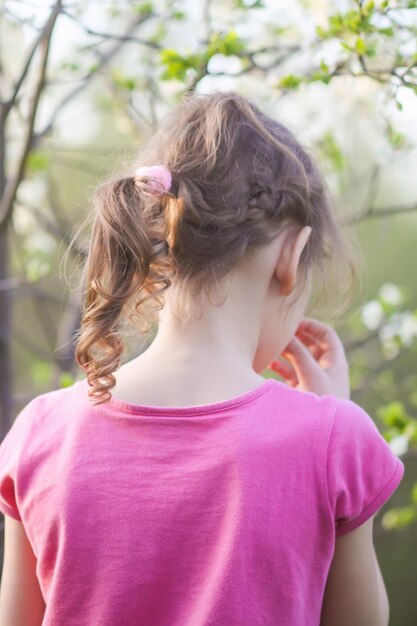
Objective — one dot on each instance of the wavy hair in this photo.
(238, 177)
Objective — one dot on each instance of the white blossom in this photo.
(399, 445)
(372, 314)
(391, 294)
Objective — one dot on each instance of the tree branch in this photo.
(371, 213)
(9, 195)
(22, 288)
(127, 37)
(9, 103)
(104, 60)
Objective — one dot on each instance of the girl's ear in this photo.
(286, 269)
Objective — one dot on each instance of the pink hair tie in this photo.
(159, 176)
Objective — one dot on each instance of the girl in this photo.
(182, 487)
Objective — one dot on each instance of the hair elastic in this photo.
(160, 178)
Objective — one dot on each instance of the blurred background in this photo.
(81, 84)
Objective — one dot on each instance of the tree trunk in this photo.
(6, 393)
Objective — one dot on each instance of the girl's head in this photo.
(240, 183)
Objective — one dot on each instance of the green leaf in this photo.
(389, 31)
(413, 398)
(226, 43)
(410, 431)
(70, 65)
(336, 24)
(36, 268)
(369, 7)
(360, 46)
(393, 414)
(249, 4)
(346, 46)
(93, 68)
(66, 379)
(42, 372)
(363, 47)
(123, 81)
(321, 74)
(279, 30)
(399, 518)
(387, 307)
(396, 139)
(159, 33)
(38, 161)
(290, 81)
(371, 49)
(322, 33)
(143, 8)
(177, 66)
(331, 150)
(414, 493)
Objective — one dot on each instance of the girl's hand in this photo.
(316, 360)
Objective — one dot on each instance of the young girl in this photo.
(182, 487)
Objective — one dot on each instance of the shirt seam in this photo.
(256, 393)
(327, 465)
(10, 511)
(377, 497)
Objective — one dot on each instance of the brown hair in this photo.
(238, 177)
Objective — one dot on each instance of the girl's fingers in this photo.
(300, 357)
(320, 332)
(325, 336)
(285, 370)
(311, 343)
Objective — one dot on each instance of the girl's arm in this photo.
(21, 600)
(355, 593)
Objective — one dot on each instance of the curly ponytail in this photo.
(128, 254)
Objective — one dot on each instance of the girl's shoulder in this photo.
(360, 469)
(39, 419)
(306, 408)
(36, 434)
(36, 410)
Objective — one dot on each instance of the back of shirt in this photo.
(221, 514)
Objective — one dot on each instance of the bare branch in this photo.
(81, 165)
(127, 37)
(23, 288)
(354, 344)
(7, 200)
(372, 213)
(24, 338)
(18, 19)
(207, 18)
(9, 103)
(382, 365)
(104, 60)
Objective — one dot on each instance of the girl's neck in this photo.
(168, 379)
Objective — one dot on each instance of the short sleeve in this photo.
(362, 470)
(10, 458)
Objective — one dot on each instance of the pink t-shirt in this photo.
(220, 514)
